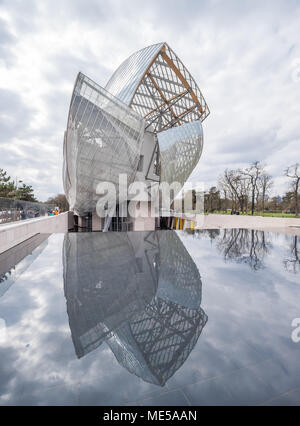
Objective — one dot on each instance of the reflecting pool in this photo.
(151, 318)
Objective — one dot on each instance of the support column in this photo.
(96, 222)
(146, 222)
(82, 222)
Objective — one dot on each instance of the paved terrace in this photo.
(275, 224)
(15, 233)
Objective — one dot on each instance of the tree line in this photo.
(10, 188)
(247, 190)
(17, 189)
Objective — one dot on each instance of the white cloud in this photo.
(242, 54)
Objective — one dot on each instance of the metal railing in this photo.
(13, 210)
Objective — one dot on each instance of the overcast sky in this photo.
(245, 56)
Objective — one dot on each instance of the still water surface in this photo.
(166, 317)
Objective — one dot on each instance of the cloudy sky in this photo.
(244, 55)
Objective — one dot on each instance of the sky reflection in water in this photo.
(153, 318)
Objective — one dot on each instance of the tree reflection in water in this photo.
(292, 262)
(250, 246)
(245, 246)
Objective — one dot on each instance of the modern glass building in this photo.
(146, 123)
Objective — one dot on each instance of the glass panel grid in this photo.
(103, 139)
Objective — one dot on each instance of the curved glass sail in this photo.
(127, 77)
(103, 139)
(120, 289)
(180, 150)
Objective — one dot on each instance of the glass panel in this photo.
(103, 139)
(127, 77)
(180, 151)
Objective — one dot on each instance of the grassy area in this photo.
(265, 214)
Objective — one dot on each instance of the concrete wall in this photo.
(144, 223)
(96, 222)
(82, 222)
(17, 232)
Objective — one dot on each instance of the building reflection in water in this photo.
(140, 292)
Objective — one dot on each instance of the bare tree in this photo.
(239, 187)
(293, 172)
(253, 174)
(225, 189)
(229, 181)
(265, 183)
(213, 199)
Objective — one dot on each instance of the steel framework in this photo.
(156, 84)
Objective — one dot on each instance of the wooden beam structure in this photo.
(182, 79)
(167, 101)
(167, 78)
